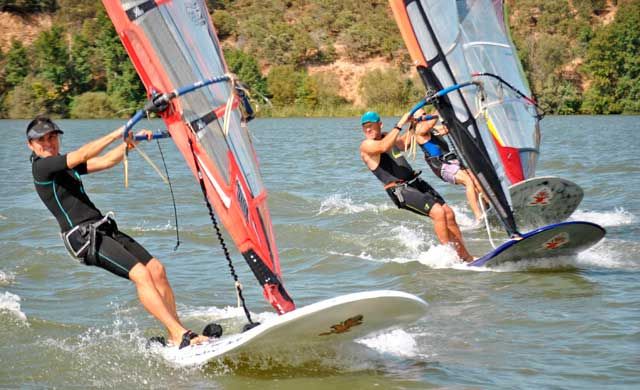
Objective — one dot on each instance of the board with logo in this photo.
(329, 323)
(544, 200)
(562, 239)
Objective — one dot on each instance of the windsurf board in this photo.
(329, 322)
(562, 239)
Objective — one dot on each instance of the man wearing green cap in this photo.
(382, 154)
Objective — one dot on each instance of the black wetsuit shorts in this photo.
(116, 251)
(418, 196)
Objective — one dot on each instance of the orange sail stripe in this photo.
(402, 19)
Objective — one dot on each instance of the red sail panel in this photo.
(512, 164)
(173, 44)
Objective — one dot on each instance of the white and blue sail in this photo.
(468, 64)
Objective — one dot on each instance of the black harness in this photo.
(445, 158)
(399, 187)
(81, 240)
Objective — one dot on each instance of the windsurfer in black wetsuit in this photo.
(381, 153)
(90, 237)
(443, 162)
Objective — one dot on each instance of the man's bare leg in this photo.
(160, 281)
(154, 304)
(437, 215)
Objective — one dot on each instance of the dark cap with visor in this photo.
(41, 126)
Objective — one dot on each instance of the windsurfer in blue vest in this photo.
(90, 237)
(382, 154)
(443, 162)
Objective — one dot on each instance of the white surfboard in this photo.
(541, 201)
(329, 322)
(544, 200)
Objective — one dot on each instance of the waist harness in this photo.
(80, 241)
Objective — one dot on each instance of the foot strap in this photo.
(186, 338)
(157, 340)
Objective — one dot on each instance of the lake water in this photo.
(571, 325)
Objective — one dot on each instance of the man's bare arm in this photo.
(373, 147)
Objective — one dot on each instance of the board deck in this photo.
(332, 321)
(562, 239)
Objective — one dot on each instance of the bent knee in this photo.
(156, 269)
(464, 179)
(448, 212)
(139, 274)
(437, 212)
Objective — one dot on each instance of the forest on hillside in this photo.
(78, 68)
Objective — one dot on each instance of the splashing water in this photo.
(143, 227)
(11, 303)
(343, 204)
(397, 342)
(618, 217)
(6, 278)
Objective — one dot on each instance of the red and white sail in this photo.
(173, 44)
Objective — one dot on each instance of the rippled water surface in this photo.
(568, 324)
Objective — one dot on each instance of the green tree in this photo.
(225, 23)
(389, 91)
(307, 92)
(17, 64)
(51, 57)
(35, 95)
(288, 44)
(91, 54)
(283, 82)
(81, 76)
(123, 85)
(614, 65)
(327, 85)
(94, 105)
(560, 96)
(246, 68)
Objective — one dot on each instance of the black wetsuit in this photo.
(404, 187)
(61, 190)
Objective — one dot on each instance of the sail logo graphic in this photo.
(137, 12)
(195, 12)
(344, 326)
(541, 198)
(556, 242)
